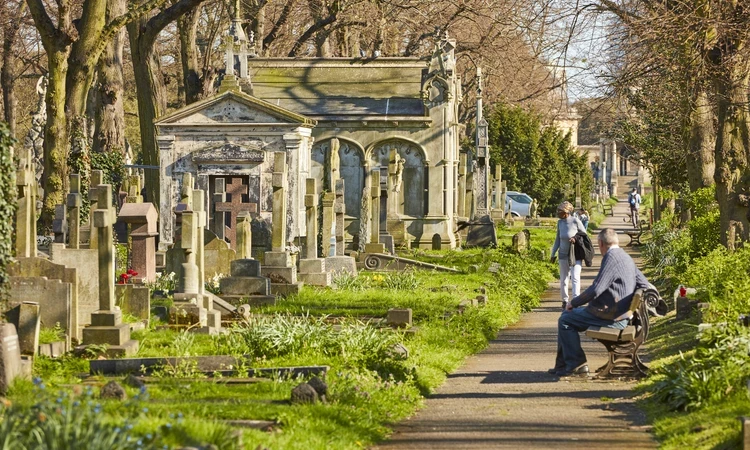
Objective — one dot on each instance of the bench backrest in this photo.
(640, 316)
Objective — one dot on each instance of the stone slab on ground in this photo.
(504, 398)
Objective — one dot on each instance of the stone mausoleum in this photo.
(357, 118)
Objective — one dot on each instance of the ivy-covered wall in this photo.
(8, 199)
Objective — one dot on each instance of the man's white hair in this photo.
(608, 237)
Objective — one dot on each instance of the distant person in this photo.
(608, 305)
(634, 200)
(570, 268)
(583, 216)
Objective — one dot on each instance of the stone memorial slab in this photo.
(482, 233)
(218, 256)
(10, 356)
(134, 300)
(54, 298)
(29, 319)
(84, 262)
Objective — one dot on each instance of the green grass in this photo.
(369, 389)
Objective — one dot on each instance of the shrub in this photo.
(724, 278)
(345, 281)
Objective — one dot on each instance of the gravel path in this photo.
(504, 398)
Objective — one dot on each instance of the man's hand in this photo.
(553, 259)
(572, 240)
(569, 306)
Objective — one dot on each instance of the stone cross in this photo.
(278, 235)
(186, 191)
(462, 185)
(339, 209)
(311, 214)
(219, 217)
(102, 224)
(73, 203)
(375, 208)
(26, 212)
(236, 190)
(244, 236)
(199, 210)
(97, 179)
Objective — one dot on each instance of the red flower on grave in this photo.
(123, 278)
(132, 273)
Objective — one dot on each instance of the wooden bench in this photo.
(635, 235)
(606, 209)
(622, 345)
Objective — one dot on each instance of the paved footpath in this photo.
(504, 398)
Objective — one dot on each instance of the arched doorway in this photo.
(411, 200)
(351, 170)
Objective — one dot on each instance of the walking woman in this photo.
(567, 227)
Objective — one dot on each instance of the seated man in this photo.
(608, 300)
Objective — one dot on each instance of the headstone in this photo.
(245, 285)
(684, 307)
(437, 241)
(29, 321)
(236, 190)
(482, 233)
(10, 356)
(134, 300)
(399, 317)
(55, 298)
(493, 268)
(520, 243)
(73, 202)
(83, 263)
(60, 224)
(106, 323)
(134, 189)
(218, 256)
(142, 218)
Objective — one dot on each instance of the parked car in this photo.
(518, 203)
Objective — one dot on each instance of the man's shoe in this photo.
(554, 370)
(580, 371)
(564, 305)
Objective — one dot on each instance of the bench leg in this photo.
(624, 361)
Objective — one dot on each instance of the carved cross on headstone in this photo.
(236, 189)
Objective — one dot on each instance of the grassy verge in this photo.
(370, 386)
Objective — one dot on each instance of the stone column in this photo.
(499, 188)
(73, 203)
(481, 189)
(97, 180)
(60, 224)
(166, 196)
(199, 210)
(615, 168)
(578, 192)
(470, 197)
(462, 185)
(375, 207)
(339, 209)
(311, 214)
(219, 218)
(26, 212)
(503, 195)
(244, 235)
(142, 218)
(329, 216)
(278, 234)
(189, 282)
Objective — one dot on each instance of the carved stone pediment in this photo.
(249, 152)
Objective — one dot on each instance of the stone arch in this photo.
(351, 170)
(412, 199)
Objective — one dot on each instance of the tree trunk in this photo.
(187, 26)
(152, 103)
(55, 135)
(7, 75)
(701, 143)
(732, 174)
(109, 124)
(83, 57)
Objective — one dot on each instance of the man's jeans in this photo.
(634, 216)
(570, 355)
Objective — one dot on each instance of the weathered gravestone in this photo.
(11, 365)
(134, 300)
(27, 320)
(312, 270)
(86, 292)
(482, 233)
(53, 286)
(246, 285)
(520, 242)
(218, 256)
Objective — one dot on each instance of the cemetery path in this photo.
(504, 398)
